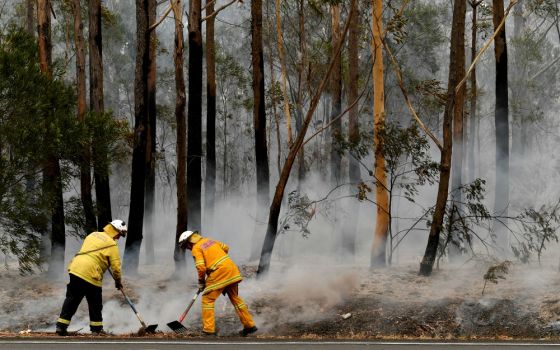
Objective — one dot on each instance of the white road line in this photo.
(185, 342)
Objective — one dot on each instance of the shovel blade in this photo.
(177, 327)
(151, 328)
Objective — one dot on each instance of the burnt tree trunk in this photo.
(473, 96)
(276, 204)
(141, 120)
(149, 201)
(99, 146)
(301, 85)
(457, 39)
(85, 157)
(259, 114)
(501, 123)
(194, 118)
(210, 186)
(180, 118)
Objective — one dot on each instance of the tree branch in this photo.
(167, 11)
(215, 13)
(483, 49)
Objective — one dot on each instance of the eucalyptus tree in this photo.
(194, 117)
(455, 76)
(354, 176)
(382, 219)
(259, 112)
(85, 157)
(142, 117)
(501, 122)
(52, 176)
(97, 107)
(181, 147)
(276, 204)
(38, 126)
(210, 178)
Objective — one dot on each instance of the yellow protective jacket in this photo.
(99, 252)
(211, 259)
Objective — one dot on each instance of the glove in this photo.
(118, 285)
(201, 286)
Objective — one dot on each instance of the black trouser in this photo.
(75, 292)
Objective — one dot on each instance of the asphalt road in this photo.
(30, 344)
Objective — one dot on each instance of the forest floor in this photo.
(390, 303)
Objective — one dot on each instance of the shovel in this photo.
(144, 329)
(177, 326)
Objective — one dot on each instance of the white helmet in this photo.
(185, 236)
(189, 236)
(120, 226)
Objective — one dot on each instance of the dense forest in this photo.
(369, 132)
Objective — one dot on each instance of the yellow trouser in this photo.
(208, 300)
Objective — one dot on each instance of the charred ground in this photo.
(360, 304)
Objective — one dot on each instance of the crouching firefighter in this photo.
(98, 253)
(217, 274)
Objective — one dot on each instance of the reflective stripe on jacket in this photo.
(99, 252)
(211, 259)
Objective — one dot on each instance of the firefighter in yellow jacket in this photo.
(98, 253)
(217, 274)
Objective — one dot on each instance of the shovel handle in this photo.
(129, 302)
(133, 308)
(188, 307)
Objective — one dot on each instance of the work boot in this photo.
(209, 334)
(100, 333)
(246, 331)
(61, 331)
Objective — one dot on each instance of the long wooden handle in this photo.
(188, 307)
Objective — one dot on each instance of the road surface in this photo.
(256, 344)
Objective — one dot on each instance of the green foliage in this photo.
(300, 212)
(408, 162)
(35, 120)
(495, 273)
(543, 8)
(539, 228)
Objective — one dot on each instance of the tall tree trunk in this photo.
(301, 86)
(349, 236)
(520, 78)
(194, 129)
(259, 115)
(99, 147)
(276, 204)
(141, 120)
(149, 203)
(85, 159)
(472, 115)
(52, 178)
(210, 186)
(281, 57)
(30, 17)
(501, 122)
(457, 159)
(383, 217)
(336, 99)
(180, 103)
(457, 39)
(44, 36)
